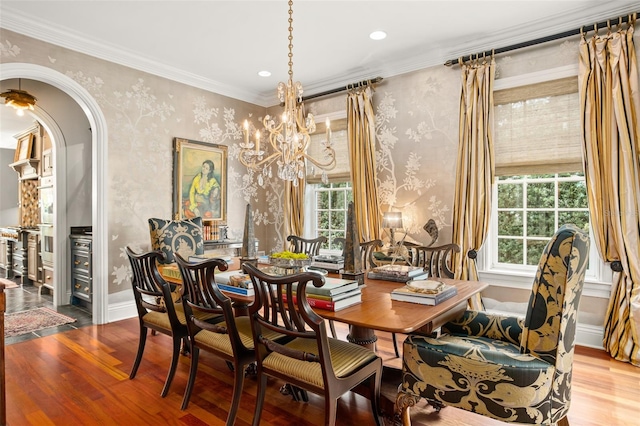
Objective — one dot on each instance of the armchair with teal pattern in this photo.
(508, 368)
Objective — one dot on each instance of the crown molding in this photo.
(39, 29)
(431, 56)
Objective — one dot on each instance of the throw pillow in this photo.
(177, 236)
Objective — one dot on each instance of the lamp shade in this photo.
(392, 220)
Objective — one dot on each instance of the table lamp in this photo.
(392, 220)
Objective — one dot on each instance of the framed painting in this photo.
(24, 147)
(199, 180)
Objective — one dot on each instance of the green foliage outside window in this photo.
(332, 201)
(532, 207)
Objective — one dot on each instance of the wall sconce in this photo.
(19, 99)
(392, 220)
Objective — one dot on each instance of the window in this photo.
(539, 183)
(529, 210)
(328, 213)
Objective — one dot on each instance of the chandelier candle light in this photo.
(289, 138)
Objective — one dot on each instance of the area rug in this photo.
(32, 320)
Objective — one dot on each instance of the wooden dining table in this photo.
(377, 312)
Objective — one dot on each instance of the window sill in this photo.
(524, 281)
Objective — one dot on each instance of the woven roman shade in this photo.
(537, 128)
(341, 172)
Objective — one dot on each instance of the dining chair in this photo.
(367, 249)
(505, 367)
(309, 246)
(311, 360)
(437, 261)
(230, 339)
(183, 236)
(154, 299)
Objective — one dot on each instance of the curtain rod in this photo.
(342, 89)
(584, 28)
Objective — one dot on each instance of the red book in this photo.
(330, 305)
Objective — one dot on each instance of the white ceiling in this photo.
(221, 45)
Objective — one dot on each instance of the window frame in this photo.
(311, 192)
(598, 281)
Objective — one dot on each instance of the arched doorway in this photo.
(99, 216)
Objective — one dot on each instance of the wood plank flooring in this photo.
(81, 377)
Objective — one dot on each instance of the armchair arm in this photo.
(492, 326)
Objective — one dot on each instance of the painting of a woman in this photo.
(200, 180)
(204, 194)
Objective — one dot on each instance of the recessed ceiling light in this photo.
(378, 35)
(264, 74)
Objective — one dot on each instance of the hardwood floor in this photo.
(82, 377)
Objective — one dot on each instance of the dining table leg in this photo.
(362, 336)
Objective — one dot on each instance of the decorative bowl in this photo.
(289, 263)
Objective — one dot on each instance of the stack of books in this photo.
(334, 295)
(425, 292)
(328, 262)
(235, 282)
(397, 273)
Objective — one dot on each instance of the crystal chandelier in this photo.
(19, 99)
(290, 137)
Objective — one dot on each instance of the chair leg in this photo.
(238, 381)
(195, 352)
(375, 383)
(332, 327)
(172, 369)
(141, 343)
(563, 421)
(330, 410)
(404, 402)
(262, 387)
(395, 345)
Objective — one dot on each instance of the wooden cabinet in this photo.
(81, 279)
(34, 262)
(5, 258)
(19, 255)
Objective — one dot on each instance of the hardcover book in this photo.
(372, 275)
(234, 278)
(332, 286)
(409, 294)
(399, 270)
(331, 305)
(237, 290)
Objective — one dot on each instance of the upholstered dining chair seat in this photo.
(484, 357)
(345, 357)
(222, 342)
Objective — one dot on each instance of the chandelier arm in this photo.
(266, 161)
(330, 165)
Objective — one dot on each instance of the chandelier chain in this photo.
(288, 137)
(290, 39)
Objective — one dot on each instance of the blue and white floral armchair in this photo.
(507, 368)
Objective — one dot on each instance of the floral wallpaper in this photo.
(416, 130)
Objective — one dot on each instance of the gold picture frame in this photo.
(199, 180)
(24, 148)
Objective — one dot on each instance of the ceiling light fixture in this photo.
(264, 73)
(290, 137)
(378, 35)
(19, 99)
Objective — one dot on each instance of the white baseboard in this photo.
(122, 310)
(590, 336)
